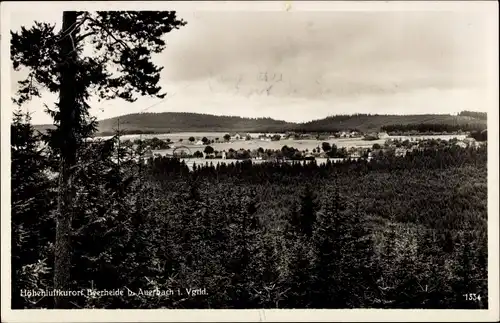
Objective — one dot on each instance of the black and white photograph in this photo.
(278, 155)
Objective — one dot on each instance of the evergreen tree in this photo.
(244, 231)
(307, 211)
(343, 270)
(56, 61)
(300, 266)
(435, 284)
(470, 270)
(32, 193)
(327, 276)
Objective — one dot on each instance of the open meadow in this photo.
(300, 144)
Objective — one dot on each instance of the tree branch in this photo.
(109, 33)
(73, 27)
(82, 37)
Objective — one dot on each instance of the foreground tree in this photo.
(303, 221)
(32, 225)
(344, 274)
(118, 66)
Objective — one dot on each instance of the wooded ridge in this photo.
(165, 122)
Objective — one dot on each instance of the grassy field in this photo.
(274, 145)
(308, 144)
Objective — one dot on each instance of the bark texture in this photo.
(67, 106)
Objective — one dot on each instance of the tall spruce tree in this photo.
(307, 211)
(342, 273)
(118, 66)
(32, 224)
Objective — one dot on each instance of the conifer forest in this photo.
(104, 226)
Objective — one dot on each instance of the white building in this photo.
(356, 155)
(400, 152)
(383, 135)
(205, 155)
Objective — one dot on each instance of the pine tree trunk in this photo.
(67, 106)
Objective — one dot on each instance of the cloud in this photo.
(337, 53)
(300, 66)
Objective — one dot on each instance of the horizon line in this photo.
(292, 122)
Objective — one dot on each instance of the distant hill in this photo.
(474, 114)
(197, 122)
(43, 127)
(370, 122)
(187, 122)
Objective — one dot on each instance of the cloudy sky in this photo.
(300, 65)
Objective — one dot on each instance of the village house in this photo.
(470, 142)
(236, 137)
(280, 158)
(205, 155)
(355, 154)
(199, 142)
(148, 153)
(383, 135)
(461, 144)
(309, 156)
(400, 152)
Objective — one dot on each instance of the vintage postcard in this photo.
(244, 161)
